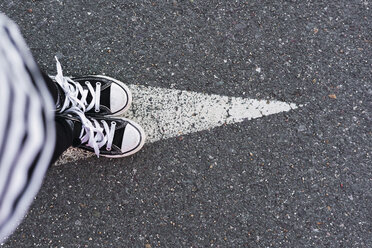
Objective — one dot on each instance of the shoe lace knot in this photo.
(92, 133)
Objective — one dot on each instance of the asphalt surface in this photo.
(297, 179)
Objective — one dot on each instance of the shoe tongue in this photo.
(76, 133)
(105, 97)
(61, 96)
(118, 138)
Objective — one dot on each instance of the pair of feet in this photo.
(92, 106)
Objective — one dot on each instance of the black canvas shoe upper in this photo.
(105, 136)
(94, 95)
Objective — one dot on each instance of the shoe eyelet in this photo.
(96, 110)
(113, 123)
(98, 83)
(108, 149)
(87, 82)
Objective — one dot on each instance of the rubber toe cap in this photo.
(118, 98)
(131, 140)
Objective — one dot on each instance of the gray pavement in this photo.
(296, 179)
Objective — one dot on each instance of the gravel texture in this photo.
(297, 179)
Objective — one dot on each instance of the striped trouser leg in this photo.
(27, 129)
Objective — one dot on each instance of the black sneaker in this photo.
(112, 137)
(94, 95)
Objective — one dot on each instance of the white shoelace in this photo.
(92, 134)
(72, 90)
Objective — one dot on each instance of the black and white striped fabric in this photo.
(27, 134)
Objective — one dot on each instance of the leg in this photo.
(52, 87)
(27, 134)
(64, 138)
(64, 133)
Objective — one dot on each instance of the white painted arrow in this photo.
(165, 113)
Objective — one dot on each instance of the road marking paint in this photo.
(166, 113)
